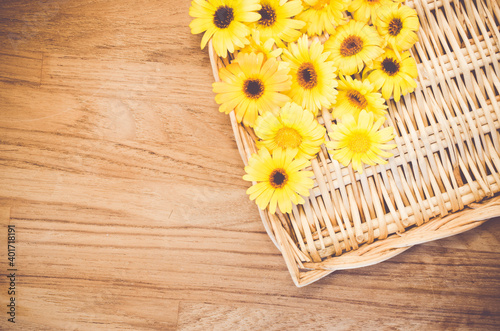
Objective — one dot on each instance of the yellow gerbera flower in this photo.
(276, 20)
(353, 45)
(280, 181)
(323, 15)
(395, 77)
(313, 76)
(223, 21)
(364, 10)
(251, 86)
(293, 128)
(355, 95)
(397, 24)
(360, 141)
(262, 45)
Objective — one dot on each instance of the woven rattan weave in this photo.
(444, 178)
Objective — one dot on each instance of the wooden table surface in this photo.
(124, 185)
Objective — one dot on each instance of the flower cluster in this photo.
(281, 77)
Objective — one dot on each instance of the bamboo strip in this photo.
(391, 224)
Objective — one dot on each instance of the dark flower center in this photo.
(268, 15)
(223, 17)
(351, 45)
(395, 26)
(278, 178)
(390, 66)
(357, 99)
(253, 88)
(306, 76)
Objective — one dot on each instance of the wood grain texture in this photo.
(124, 183)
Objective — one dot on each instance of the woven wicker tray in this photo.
(444, 178)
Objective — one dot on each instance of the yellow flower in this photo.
(262, 45)
(293, 128)
(364, 10)
(323, 15)
(313, 76)
(355, 95)
(279, 179)
(394, 76)
(397, 24)
(223, 21)
(276, 20)
(353, 45)
(360, 141)
(251, 86)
